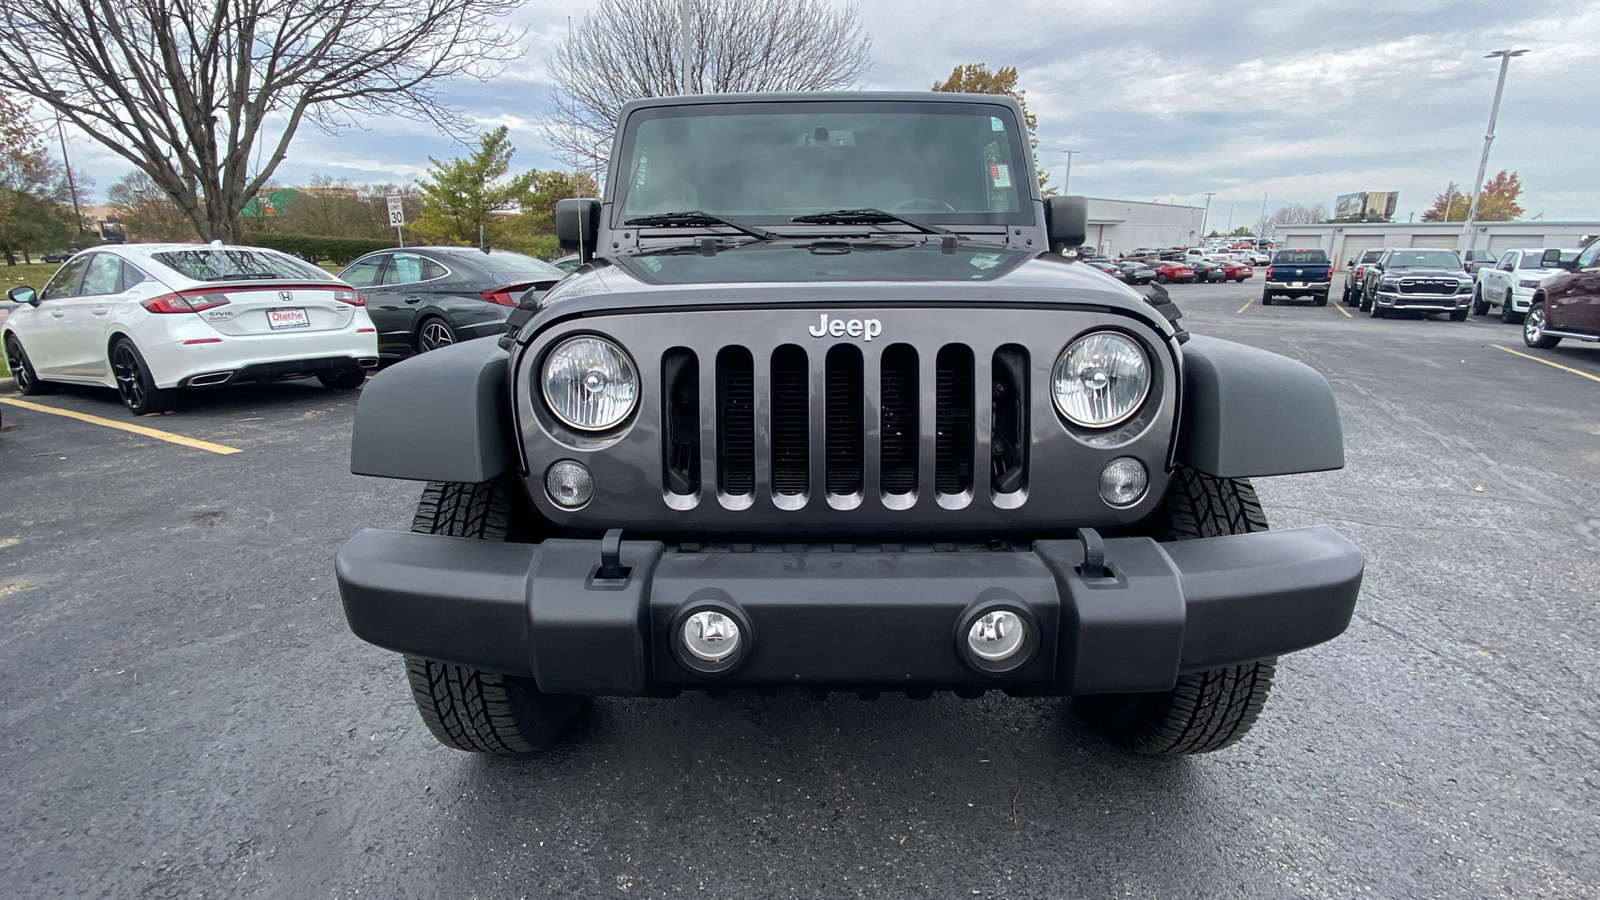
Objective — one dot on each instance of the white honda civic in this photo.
(152, 319)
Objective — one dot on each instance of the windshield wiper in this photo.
(866, 216)
(696, 217)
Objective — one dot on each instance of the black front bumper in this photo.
(844, 615)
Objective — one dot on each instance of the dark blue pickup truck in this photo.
(1298, 273)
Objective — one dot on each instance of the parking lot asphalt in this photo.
(183, 712)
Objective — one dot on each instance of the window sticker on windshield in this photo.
(641, 171)
(995, 124)
(1000, 174)
(652, 263)
(985, 260)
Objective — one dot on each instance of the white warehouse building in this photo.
(1345, 241)
(1122, 226)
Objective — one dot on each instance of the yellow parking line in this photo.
(1341, 309)
(1246, 305)
(167, 436)
(1546, 362)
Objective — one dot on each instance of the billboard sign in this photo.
(1366, 206)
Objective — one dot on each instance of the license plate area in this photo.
(284, 319)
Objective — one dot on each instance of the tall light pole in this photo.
(683, 24)
(1488, 139)
(1206, 216)
(1067, 179)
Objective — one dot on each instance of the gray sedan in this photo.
(423, 298)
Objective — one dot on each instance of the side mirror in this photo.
(23, 294)
(1066, 221)
(578, 226)
(1551, 259)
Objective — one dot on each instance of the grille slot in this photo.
(953, 431)
(680, 417)
(898, 403)
(791, 420)
(843, 428)
(1008, 439)
(736, 422)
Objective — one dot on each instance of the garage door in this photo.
(1500, 243)
(1356, 244)
(1299, 241)
(1437, 241)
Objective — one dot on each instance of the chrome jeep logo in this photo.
(856, 328)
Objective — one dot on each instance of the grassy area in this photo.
(33, 276)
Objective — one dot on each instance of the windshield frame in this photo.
(618, 183)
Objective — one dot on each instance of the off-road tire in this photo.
(467, 708)
(1207, 710)
(28, 383)
(343, 381)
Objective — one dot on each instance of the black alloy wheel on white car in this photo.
(135, 385)
(1480, 306)
(1508, 310)
(22, 372)
(435, 333)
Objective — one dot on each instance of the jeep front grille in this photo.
(850, 397)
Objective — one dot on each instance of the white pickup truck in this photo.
(1510, 283)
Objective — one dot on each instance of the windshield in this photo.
(497, 261)
(768, 162)
(238, 264)
(1431, 259)
(1301, 256)
(1371, 256)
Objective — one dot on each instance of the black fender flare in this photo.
(438, 416)
(1250, 413)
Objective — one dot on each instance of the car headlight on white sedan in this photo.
(1101, 379)
(590, 383)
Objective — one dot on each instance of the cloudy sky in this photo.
(1287, 102)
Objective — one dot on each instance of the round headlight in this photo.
(1101, 379)
(590, 383)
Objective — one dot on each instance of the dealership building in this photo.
(1122, 226)
(1344, 241)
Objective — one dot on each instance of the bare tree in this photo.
(628, 49)
(185, 89)
(1292, 214)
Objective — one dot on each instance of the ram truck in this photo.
(1298, 273)
(824, 407)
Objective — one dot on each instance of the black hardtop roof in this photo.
(822, 96)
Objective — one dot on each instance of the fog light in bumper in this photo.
(1123, 481)
(569, 484)
(997, 636)
(710, 636)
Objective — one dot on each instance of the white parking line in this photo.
(1546, 362)
(167, 436)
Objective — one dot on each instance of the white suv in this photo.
(1511, 282)
(149, 319)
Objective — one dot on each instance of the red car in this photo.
(1167, 271)
(1566, 305)
(1236, 271)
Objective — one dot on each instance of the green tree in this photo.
(464, 195)
(35, 202)
(975, 78)
(539, 204)
(1450, 206)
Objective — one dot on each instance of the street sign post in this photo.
(397, 218)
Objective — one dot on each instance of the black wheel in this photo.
(1375, 311)
(1480, 306)
(1161, 278)
(1207, 710)
(434, 333)
(1533, 326)
(1366, 302)
(467, 708)
(343, 381)
(1322, 299)
(135, 385)
(1266, 298)
(1458, 315)
(1508, 311)
(27, 379)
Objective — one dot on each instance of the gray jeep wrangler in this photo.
(825, 406)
